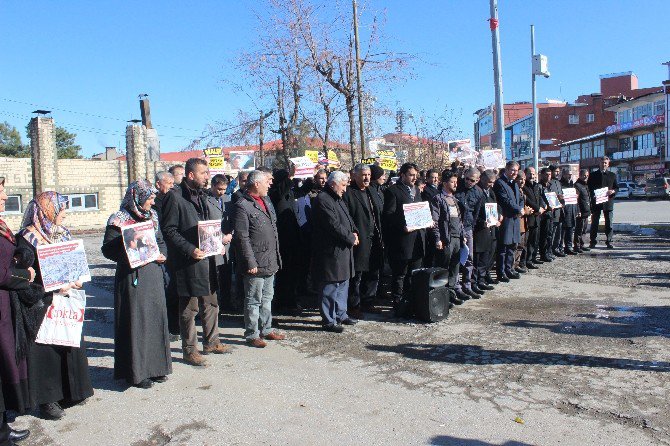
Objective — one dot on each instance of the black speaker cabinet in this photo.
(430, 295)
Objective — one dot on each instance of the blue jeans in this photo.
(334, 302)
(258, 293)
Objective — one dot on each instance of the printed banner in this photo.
(601, 195)
(570, 195)
(62, 263)
(304, 167)
(552, 200)
(492, 159)
(386, 154)
(210, 237)
(64, 320)
(242, 160)
(388, 163)
(491, 210)
(417, 215)
(369, 161)
(313, 155)
(139, 240)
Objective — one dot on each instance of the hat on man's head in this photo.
(376, 172)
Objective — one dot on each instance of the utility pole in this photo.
(497, 77)
(358, 84)
(665, 156)
(536, 125)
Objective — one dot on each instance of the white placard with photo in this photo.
(570, 195)
(210, 237)
(62, 263)
(417, 215)
(139, 241)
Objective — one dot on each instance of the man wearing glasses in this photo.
(472, 200)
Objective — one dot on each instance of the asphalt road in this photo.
(642, 212)
(575, 353)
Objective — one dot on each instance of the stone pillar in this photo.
(44, 155)
(136, 154)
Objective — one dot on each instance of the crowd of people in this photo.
(328, 240)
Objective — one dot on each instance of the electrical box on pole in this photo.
(540, 65)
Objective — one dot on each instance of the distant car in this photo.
(625, 189)
(658, 188)
(639, 191)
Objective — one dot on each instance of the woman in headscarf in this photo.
(14, 393)
(141, 338)
(56, 374)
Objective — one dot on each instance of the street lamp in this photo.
(539, 68)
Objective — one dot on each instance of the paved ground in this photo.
(579, 352)
(642, 211)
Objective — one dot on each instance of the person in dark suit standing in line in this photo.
(533, 197)
(334, 236)
(584, 203)
(427, 194)
(369, 253)
(485, 236)
(471, 200)
(511, 204)
(547, 219)
(406, 248)
(570, 214)
(597, 180)
(559, 213)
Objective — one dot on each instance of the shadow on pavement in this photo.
(476, 355)
(446, 440)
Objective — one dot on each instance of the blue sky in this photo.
(94, 58)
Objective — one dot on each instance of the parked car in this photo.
(625, 189)
(639, 191)
(658, 188)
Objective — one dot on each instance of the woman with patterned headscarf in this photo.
(141, 339)
(13, 369)
(57, 374)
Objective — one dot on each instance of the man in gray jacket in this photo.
(258, 260)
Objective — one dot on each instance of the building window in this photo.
(659, 107)
(13, 204)
(642, 110)
(565, 152)
(573, 119)
(659, 139)
(82, 202)
(587, 150)
(599, 148)
(574, 152)
(590, 117)
(624, 116)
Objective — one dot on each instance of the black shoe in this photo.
(485, 286)
(570, 252)
(349, 321)
(537, 262)
(159, 379)
(513, 275)
(471, 293)
(51, 411)
(610, 246)
(520, 270)
(578, 250)
(333, 328)
(18, 435)
(145, 384)
(490, 280)
(477, 289)
(503, 278)
(546, 259)
(455, 300)
(585, 249)
(531, 266)
(558, 253)
(461, 295)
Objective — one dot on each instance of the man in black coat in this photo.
(570, 213)
(194, 274)
(406, 248)
(534, 201)
(334, 236)
(597, 180)
(510, 202)
(219, 209)
(559, 214)
(547, 218)
(365, 210)
(485, 236)
(471, 199)
(584, 203)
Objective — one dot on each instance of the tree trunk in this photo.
(349, 102)
(260, 138)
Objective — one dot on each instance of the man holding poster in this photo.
(600, 179)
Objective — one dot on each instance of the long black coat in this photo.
(598, 180)
(332, 239)
(369, 253)
(570, 211)
(510, 202)
(401, 244)
(533, 200)
(484, 237)
(180, 231)
(583, 198)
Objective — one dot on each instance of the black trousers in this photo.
(506, 258)
(172, 304)
(557, 238)
(4, 431)
(449, 258)
(580, 230)
(401, 279)
(595, 221)
(224, 292)
(363, 288)
(532, 244)
(483, 261)
(546, 236)
(568, 236)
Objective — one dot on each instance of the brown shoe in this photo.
(217, 349)
(195, 359)
(257, 342)
(355, 313)
(274, 336)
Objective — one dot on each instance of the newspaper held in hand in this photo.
(570, 195)
(601, 195)
(552, 200)
(62, 263)
(417, 215)
(139, 241)
(64, 320)
(210, 237)
(491, 210)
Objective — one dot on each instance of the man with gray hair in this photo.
(511, 205)
(333, 239)
(257, 257)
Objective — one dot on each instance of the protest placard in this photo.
(491, 210)
(417, 215)
(570, 195)
(333, 160)
(313, 155)
(139, 241)
(304, 167)
(385, 154)
(64, 320)
(242, 160)
(492, 159)
(369, 161)
(215, 160)
(601, 195)
(552, 200)
(210, 237)
(62, 263)
(388, 163)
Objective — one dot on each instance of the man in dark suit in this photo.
(406, 248)
(534, 201)
(547, 218)
(584, 203)
(485, 236)
(365, 210)
(472, 200)
(597, 180)
(559, 213)
(432, 181)
(194, 274)
(511, 205)
(219, 209)
(334, 236)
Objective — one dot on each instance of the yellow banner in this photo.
(213, 151)
(313, 155)
(386, 153)
(368, 161)
(216, 162)
(388, 163)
